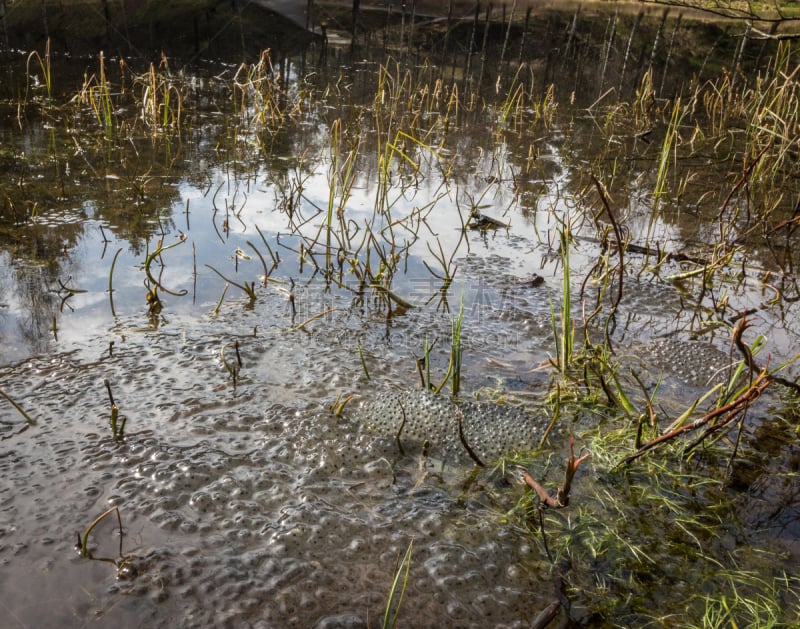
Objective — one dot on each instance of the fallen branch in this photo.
(716, 419)
(724, 415)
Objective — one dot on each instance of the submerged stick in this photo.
(302, 325)
(546, 616)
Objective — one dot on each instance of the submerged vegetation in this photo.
(395, 174)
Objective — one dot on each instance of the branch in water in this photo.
(561, 499)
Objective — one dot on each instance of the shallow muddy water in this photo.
(346, 198)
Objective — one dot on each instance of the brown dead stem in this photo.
(714, 420)
(718, 418)
(561, 499)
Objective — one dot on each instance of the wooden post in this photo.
(467, 74)
(3, 28)
(485, 41)
(44, 20)
(446, 35)
(107, 16)
(524, 34)
(354, 25)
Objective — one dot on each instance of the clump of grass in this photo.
(456, 351)
(522, 110)
(563, 328)
(262, 104)
(44, 66)
(744, 599)
(643, 540)
(96, 93)
(159, 99)
(398, 590)
(667, 152)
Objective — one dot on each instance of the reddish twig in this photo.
(561, 499)
(725, 414)
(718, 418)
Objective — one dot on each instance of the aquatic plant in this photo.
(159, 99)
(96, 93)
(44, 66)
(263, 105)
(563, 328)
(233, 367)
(395, 601)
(454, 368)
(116, 422)
(363, 361)
(84, 539)
(660, 188)
(248, 289)
(153, 284)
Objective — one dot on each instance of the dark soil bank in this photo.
(194, 29)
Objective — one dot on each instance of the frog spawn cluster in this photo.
(417, 417)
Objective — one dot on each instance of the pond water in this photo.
(231, 252)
